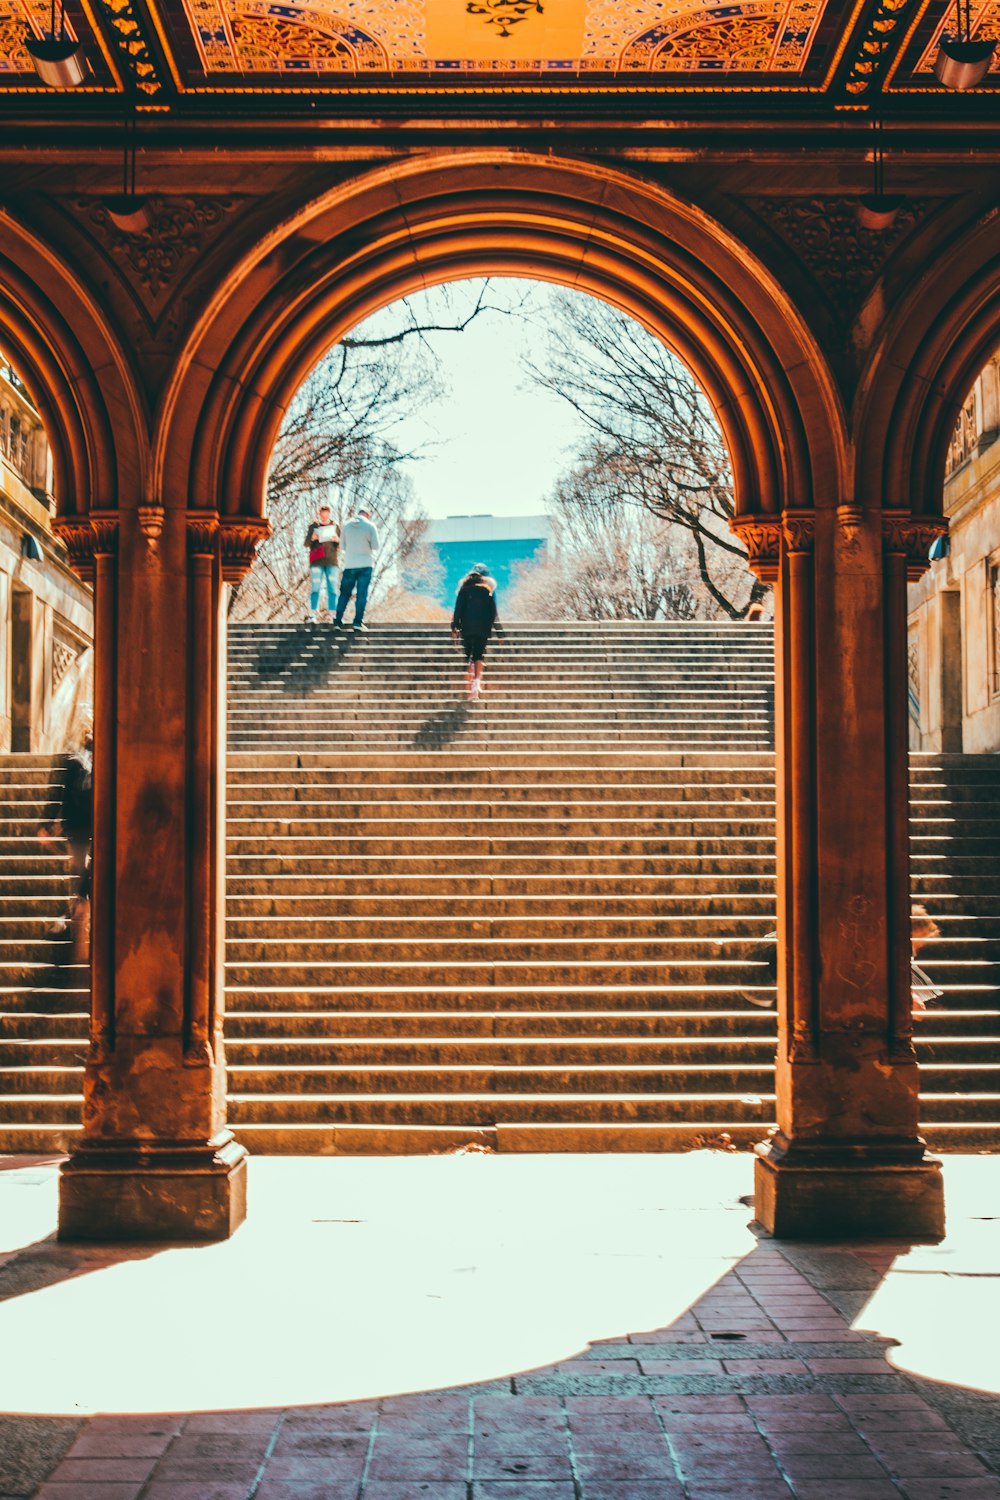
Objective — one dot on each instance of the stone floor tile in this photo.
(898, 1421)
(241, 1447)
(353, 1416)
(948, 1464)
(102, 1470)
(836, 1441)
(937, 1440)
(98, 1489)
(176, 1489)
(319, 1443)
(630, 1489)
(530, 1467)
(764, 1367)
(951, 1489)
(883, 1401)
(311, 1469)
(413, 1490)
(831, 1466)
(492, 1489)
(520, 1440)
(668, 1336)
(681, 1366)
(624, 1406)
(105, 1424)
(242, 1422)
(849, 1367)
(206, 1470)
(593, 1466)
(318, 1490)
(408, 1468)
(517, 1409)
(92, 1444)
(846, 1489)
(592, 1367)
(702, 1405)
(741, 1489)
(438, 1403)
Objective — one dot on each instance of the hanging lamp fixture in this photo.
(962, 62)
(59, 61)
(126, 210)
(877, 210)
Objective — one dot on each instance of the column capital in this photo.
(908, 536)
(798, 527)
(202, 533)
(87, 537)
(761, 536)
(240, 537)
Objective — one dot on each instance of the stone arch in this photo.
(76, 372)
(581, 225)
(937, 341)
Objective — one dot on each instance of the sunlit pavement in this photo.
(482, 1327)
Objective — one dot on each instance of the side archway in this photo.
(77, 374)
(936, 343)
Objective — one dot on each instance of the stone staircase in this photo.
(521, 922)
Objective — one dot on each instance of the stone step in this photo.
(449, 1109)
(265, 1028)
(324, 929)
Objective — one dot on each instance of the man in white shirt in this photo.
(358, 544)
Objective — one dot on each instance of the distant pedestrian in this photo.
(75, 823)
(358, 545)
(924, 993)
(323, 545)
(474, 619)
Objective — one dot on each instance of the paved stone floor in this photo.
(500, 1328)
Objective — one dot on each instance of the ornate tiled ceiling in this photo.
(847, 50)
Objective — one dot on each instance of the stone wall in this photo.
(46, 614)
(954, 614)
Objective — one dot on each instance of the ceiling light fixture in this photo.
(128, 212)
(58, 60)
(877, 210)
(961, 62)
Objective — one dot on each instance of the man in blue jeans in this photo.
(358, 544)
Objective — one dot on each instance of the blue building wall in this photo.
(499, 556)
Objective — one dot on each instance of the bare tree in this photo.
(338, 447)
(610, 558)
(653, 427)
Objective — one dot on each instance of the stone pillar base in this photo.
(850, 1200)
(156, 1194)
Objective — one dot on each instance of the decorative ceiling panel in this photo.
(846, 50)
(220, 41)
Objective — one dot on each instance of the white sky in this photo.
(494, 444)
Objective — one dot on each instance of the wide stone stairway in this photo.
(525, 922)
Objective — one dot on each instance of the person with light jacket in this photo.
(358, 545)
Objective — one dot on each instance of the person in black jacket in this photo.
(72, 820)
(474, 619)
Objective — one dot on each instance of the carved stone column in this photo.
(156, 1160)
(847, 1158)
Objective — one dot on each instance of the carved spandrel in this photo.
(843, 258)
